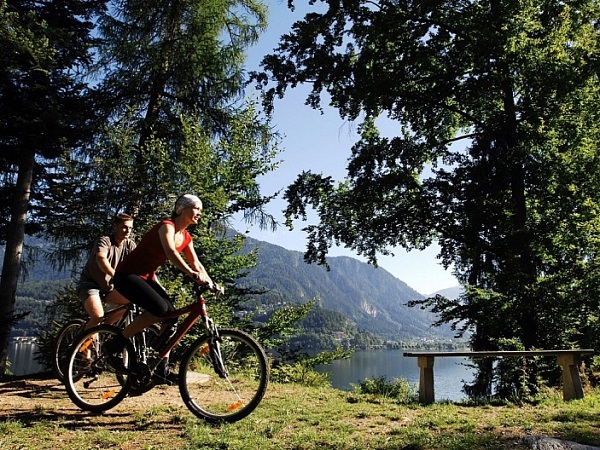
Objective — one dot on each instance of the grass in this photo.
(293, 417)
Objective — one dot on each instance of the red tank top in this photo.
(149, 255)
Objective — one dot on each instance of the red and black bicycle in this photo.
(223, 375)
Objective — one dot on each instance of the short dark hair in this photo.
(121, 217)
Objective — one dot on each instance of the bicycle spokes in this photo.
(223, 379)
(92, 382)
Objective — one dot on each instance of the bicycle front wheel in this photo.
(94, 380)
(223, 380)
(64, 339)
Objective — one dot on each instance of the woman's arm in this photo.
(167, 238)
(192, 258)
(166, 234)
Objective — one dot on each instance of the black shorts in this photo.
(146, 294)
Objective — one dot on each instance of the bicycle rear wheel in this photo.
(91, 378)
(223, 380)
(64, 339)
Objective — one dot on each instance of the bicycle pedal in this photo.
(141, 373)
(87, 384)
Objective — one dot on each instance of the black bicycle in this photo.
(223, 375)
(71, 330)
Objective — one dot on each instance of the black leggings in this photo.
(146, 294)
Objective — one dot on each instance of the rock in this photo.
(547, 443)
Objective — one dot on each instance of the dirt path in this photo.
(34, 399)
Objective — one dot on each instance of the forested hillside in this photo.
(371, 298)
(357, 305)
(39, 285)
(33, 299)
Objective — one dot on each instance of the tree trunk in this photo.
(11, 267)
(525, 274)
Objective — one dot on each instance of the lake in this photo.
(449, 372)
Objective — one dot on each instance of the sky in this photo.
(321, 143)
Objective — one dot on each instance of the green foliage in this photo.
(283, 323)
(495, 155)
(169, 61)
(44, 112)
(44, 105)
(222, 172)
(170, 119)
(397, 389)
(299, 367)
(300, 373)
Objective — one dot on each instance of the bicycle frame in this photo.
(131, 311)
(194, 312)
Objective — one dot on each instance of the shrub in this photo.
(398, 389)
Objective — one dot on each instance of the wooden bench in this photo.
(568, 360)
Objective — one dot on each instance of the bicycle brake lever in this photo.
(218, 289)
(213, 287)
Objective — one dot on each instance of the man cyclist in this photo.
(96, 279)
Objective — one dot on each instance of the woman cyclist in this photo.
(135, 276)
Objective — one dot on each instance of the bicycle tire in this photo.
(62, 344)
(229, 398)
(97, 386)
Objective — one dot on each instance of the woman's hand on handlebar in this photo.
(213, 287)
(200, 278)
(208, 283)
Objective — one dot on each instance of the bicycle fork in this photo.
(214, 348)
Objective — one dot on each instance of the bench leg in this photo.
(572, 388)
(426, 394)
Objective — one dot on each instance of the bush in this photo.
(398, 389)
(299, 373)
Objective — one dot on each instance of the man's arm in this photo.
(104, 265)
(102, 257)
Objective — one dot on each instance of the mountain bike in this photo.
(72, 330)
(223, 374)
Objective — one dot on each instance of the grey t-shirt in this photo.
(91, 273)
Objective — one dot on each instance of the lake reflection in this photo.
(449, 372)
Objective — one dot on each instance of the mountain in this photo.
(372, 298)
(36, 267)
(451, 293)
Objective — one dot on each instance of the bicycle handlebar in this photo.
(213, 287)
